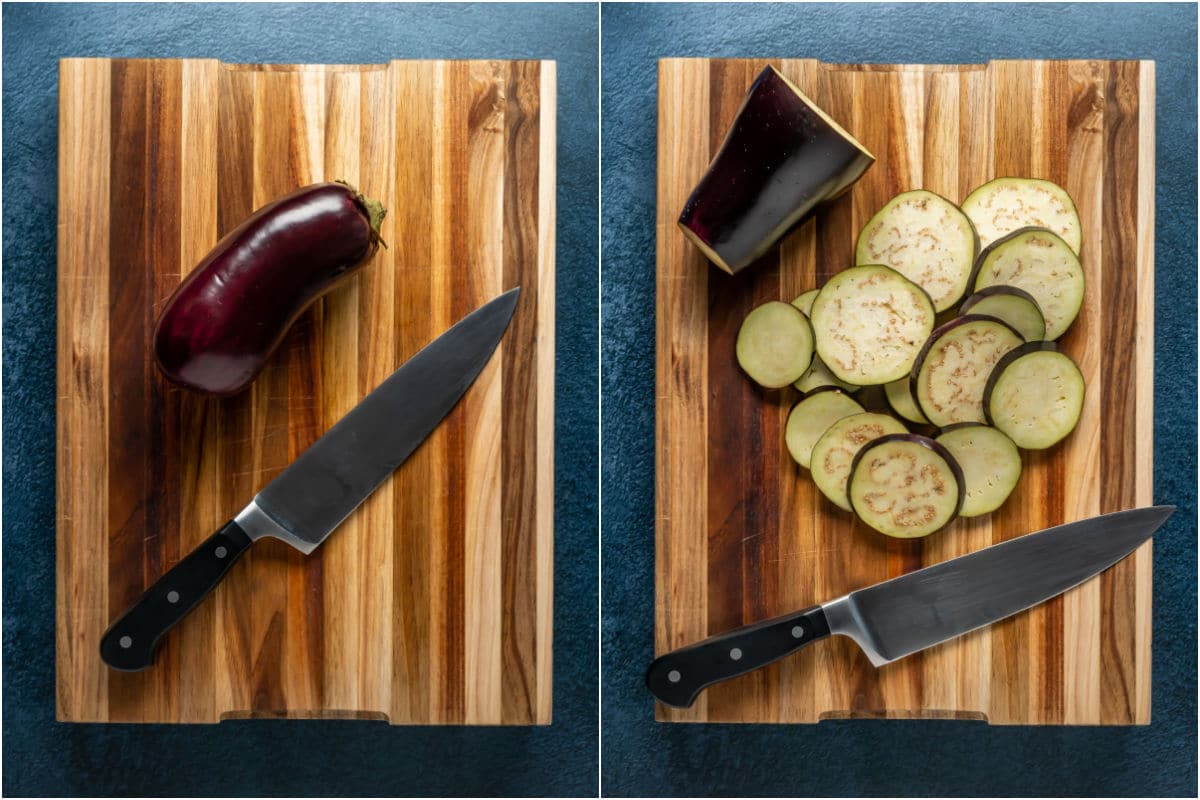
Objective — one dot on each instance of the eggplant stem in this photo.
(375, 213)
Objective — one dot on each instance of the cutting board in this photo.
(432, 603)
(743, 534)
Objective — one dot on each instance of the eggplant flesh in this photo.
(990, 462)
(781, 158)
(775, 344)
(951, 374)
(1035, 395)
(833, 455)
(811, 417)
(1042, 264)
(905, 486)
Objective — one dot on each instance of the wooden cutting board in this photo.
(432, 603)
(743, 534)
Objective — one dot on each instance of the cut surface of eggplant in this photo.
(952, 372)
(869, 323)
(925, 238)
(1035, 395)
(1015, 306)
(905, 486)
(775, 344)
(833, 454)
(900, 398)
(990, 463)
(999, 207)
(811, 417)
(781, 158)
(1042, 264)
(817, 375)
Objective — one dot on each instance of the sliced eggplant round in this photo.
(775, 344)
(1035, 395)
(925, 238)
(811, 417)
(1004, 205)
(817, 375)
(952, 371)
(1015, 306)
(905, 486)
(1041, 263)
(900, 398)
(990, 462)
(869, 323)
(833, 454)
(804, 302)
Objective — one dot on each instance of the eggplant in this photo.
(1015, 306)
(1035, 395)
(781, 158)
(990, 462)
(775, 344)
(1042, 264)
(811, 417)
(905, 486)
(832, 457)
(1001, 206)
(222, 324)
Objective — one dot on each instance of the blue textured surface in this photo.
(855, 758)
(317, 758)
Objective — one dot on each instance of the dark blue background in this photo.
(286, 757)
(885, 757)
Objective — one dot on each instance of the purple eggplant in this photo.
(782, 157)
(229, 315)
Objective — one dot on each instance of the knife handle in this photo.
(678, 677)
(130, 643)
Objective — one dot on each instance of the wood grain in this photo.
(741, 533)
(432, 603)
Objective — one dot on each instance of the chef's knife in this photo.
(898, 617)
(318, 490)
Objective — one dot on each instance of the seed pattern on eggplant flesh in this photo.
(1003, 205)
(1042, 264)
(1036, 396)
(990, 462)
(905, 486)
(869, 323)
(817, 375)
(811, 417)
(775, 344)
(925, 238)
(833, 454)
(953, 370)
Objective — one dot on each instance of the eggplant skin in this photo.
(781, 158)
(219, 328)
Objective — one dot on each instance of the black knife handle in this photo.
(130, 642)
(678, 677)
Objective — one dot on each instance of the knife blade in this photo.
(909, 613)
(306, 502)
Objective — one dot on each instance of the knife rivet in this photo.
(797, 632)
(221, 551)
(172, 596)
(126, 642)
(736, 654)
(673, 676)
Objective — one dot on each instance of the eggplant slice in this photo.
(811, 417)
(1035, 395)
(775, 344)
(1004, 205)
(990, 462)
(817, 376)
(833, 454)
(905, 486)
(1042, 264)
(870, 323)
(781, 158)
(1015, 306)
(952, 372)
(925, 238)
(900, 398)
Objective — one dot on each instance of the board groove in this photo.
(431, 604)
(758, 540)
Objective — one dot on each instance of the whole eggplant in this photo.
(229, 315)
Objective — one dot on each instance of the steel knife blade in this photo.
(909, 613)
(307, 501)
